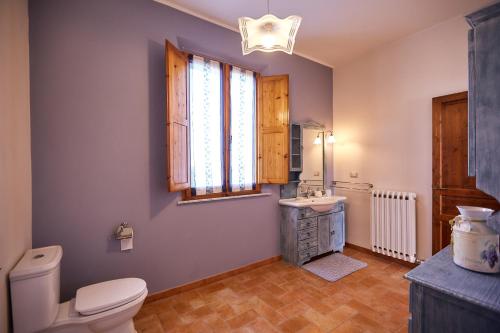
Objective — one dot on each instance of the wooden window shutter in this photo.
(273, 134)
(178, 154)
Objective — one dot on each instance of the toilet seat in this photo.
(100, 297)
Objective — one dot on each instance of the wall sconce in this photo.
(317, 141)
(331, 138)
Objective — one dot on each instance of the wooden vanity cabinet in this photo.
(306, 233)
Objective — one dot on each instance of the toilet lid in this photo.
(107, 295)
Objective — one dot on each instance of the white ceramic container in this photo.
(474, 213)
(475, 246)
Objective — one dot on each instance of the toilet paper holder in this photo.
(124, 232)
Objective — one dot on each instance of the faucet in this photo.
(309, 190)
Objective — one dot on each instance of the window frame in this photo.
(226, 102)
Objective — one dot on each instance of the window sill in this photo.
(188, 202)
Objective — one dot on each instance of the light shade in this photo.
(331, 138)
(317, 141)
(268, 33)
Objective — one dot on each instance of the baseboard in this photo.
(214, 278)
(217, 277)
(379, 255)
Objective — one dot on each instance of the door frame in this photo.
(438, 192)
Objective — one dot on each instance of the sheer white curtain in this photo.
(242, 150)
(205, 91)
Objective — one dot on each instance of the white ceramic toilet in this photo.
(106, 307)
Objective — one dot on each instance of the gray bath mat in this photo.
(334, 266)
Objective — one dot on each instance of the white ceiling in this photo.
(334, 31)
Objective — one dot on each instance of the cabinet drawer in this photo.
(308, 254)
(307, 244)
(307, 233)
(307, 223)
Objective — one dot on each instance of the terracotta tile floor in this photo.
(282, 298)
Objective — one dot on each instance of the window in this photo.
(242, 129)
(207, 126)
(222, 113)
(227, 127)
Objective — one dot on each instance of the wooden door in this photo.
(451, 185)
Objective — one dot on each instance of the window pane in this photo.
(205, 91)
(242, 151)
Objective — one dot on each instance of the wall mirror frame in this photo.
(313, 154)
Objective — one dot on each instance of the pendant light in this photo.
(268, 33)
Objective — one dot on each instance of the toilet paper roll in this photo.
(127, 244)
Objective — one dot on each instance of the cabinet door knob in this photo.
(332, 233)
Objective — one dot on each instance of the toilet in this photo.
(106, 307)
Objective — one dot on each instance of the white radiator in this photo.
(393, 224)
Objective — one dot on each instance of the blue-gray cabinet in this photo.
(484, 101)
(446, 298)
(306, 233)
(295, 148)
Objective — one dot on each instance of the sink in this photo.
(318, 204)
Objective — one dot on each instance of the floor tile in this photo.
(283, 298)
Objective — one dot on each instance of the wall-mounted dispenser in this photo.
(125, 235)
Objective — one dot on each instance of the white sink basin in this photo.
(318, 204)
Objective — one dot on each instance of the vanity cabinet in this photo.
(306, 233)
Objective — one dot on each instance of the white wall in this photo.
(382, 119)
(15, 146)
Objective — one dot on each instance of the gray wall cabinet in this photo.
(484, 102)
(306, 233)
(296, 148)
(447, 298)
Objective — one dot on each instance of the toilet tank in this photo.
(34, 289)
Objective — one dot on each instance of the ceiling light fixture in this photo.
(268, 33)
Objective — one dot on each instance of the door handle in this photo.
(332, 232)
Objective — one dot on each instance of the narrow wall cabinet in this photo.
(306, 233)
(484, 100)
(296, 147)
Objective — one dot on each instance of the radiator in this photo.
(393, 224)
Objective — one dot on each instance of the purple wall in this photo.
(97, 117)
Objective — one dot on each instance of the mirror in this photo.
(313, 155)
(310, 158)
